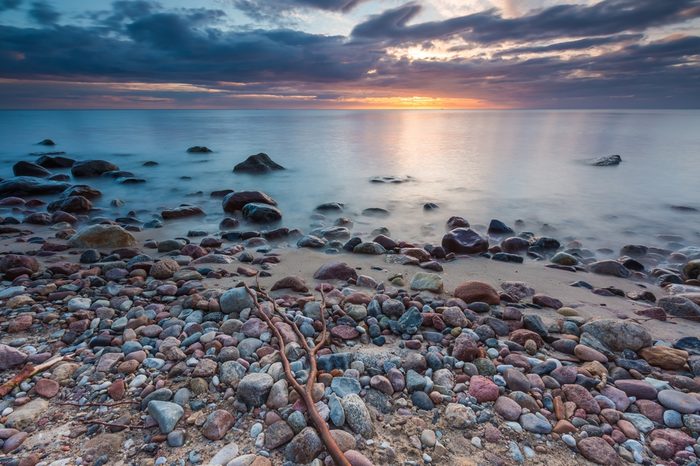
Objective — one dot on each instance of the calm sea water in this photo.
(528, 165)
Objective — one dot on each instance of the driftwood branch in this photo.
(305, 392)
(28, 372)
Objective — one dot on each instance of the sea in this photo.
(532, 167)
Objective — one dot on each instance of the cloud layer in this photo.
(620, 53)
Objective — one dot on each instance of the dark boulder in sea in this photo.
(46, 142)
(607, 161)
(199, 150)
(130, 180)
(496, 227)
(330, 207)
(71, 204)
(430, 206)
(457, 222)
(375, 212)
(30, 186)
(23, 168)
(48, 161)
(258, 163)
(391, 179)
(116, 174)
(181, 212)
(150, 163)
(236, 201)
(221, 193)
(88, 168)
(261, 213)
(464, 241)
(82, 190)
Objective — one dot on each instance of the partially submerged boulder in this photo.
(88, 168)
(607, 161)
(236, 201)
(258, 163)
(30, 186)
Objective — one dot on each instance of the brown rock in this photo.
(47, 388)
(473, 291)
(664, 357)
(599, 451)
(164, 268)
(293, 283)
(218, 423)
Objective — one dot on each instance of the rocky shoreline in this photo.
(153, 351)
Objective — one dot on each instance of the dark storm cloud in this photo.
(142, 41)
(179, 47)
(43, 13)
(580, 44)
(9, 4)
(603, 18)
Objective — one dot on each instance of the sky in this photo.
(427, 54)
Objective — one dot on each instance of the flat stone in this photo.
(684, 403)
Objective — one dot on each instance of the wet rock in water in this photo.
(430, 206)
(82, 190)
(457, 222)
(46, 142)
(475, 291)
(91, 168)
(607, 161)
(261, 213)
(257, 164)
(49, 161)
(691, 270)
(369, 247)
(609, 267)
(679, 306)
(199, 150)
(311, 241)
(71, 204)
(464, 241)
(23, 168)
(182, 212)
(375, 212)
(391, 179)
(30, 186)
(618, 335)
(235, 201)
(497, 227)
(330, 207)
(102, 236)
(563, 258)
(335, 271)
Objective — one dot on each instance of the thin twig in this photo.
(97, 405)
(110, 424)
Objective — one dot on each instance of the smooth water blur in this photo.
(510, 165)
